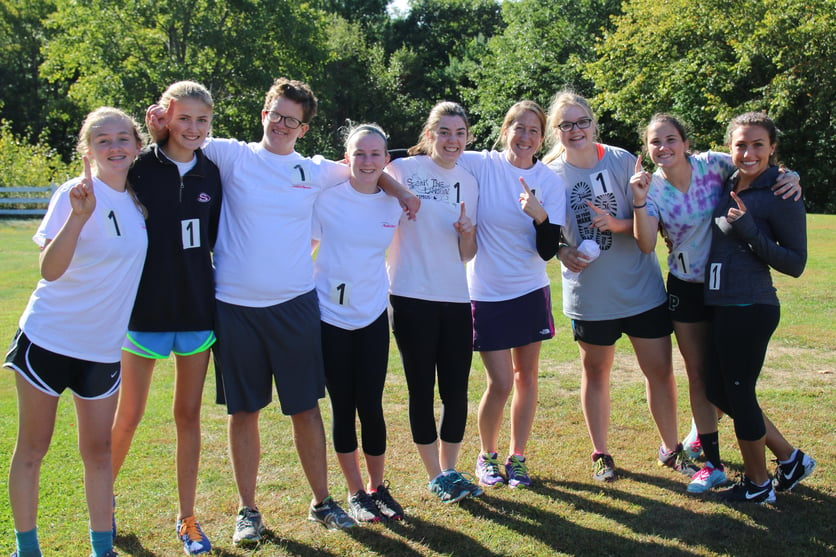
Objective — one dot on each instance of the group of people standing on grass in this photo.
(226, 231)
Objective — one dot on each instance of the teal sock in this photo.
(27, 543)
(102, 542)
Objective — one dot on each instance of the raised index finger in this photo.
(740, 204)
(88, 172)
(526, 189)
(596, 209)
(462, 213)
(639, 164)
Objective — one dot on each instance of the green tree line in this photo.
(703, 60)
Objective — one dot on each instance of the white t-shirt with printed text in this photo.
(622, 281)
(424, 260)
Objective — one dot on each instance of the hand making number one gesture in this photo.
(640, 183)
(464, 225)
(738, 212)
(530, 204)
(82, 197)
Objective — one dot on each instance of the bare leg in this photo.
(654, 356)
(309, 438)
(350, 465)
(375, 465)
(595, 391)
(692, 339)
(775, 441)
(430, 457)
(754, 460)
(188, 395)
(449, 455)
(500, 374)
(133, 395)
(95, 419)
(524, 402)
(245, 454)
(36, 422)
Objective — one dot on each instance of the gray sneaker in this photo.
(249, 529)
(331, 515)
(362, 509)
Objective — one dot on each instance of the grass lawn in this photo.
(646, 512)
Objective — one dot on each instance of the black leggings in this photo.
(434, 337)
(738, 341)
(355, 372)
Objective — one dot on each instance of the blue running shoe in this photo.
(447, 489)
(707, 478)
(487, 470)
(465, 480)
(194, 540)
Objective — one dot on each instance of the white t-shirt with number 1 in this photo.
(354, 230)
(84, 313)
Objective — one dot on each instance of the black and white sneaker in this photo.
(788, 475)
(746, 491)
(389, 508)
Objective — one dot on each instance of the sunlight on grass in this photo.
(645, 512)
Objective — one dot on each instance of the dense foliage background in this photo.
(705, 60)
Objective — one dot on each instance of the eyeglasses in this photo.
(581, 124)
(289, 121)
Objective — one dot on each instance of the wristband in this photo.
(640, 206)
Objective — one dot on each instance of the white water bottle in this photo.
(589, 250)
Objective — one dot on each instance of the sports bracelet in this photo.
(640, 206)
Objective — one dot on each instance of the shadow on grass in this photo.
(131, 544)
(702, 522)
(560, 534)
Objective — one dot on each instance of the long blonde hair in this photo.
(560, 101)
(96, 119)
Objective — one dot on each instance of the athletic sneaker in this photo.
(517, 472)
(745, 491)
(194, 540)
(248, 527)
(692, 444)
(362, 509)
(110, 553)
(678, 460)
(465, 480)
(788, 475)
(708, 477)
(603, 467)
(386, 504)
(487, 470)
(331, 515)
(447, 489)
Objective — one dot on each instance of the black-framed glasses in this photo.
(289, 121)
(581, 124)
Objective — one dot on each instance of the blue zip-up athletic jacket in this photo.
(772, 233)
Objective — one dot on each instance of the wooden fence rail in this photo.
(26, 205)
